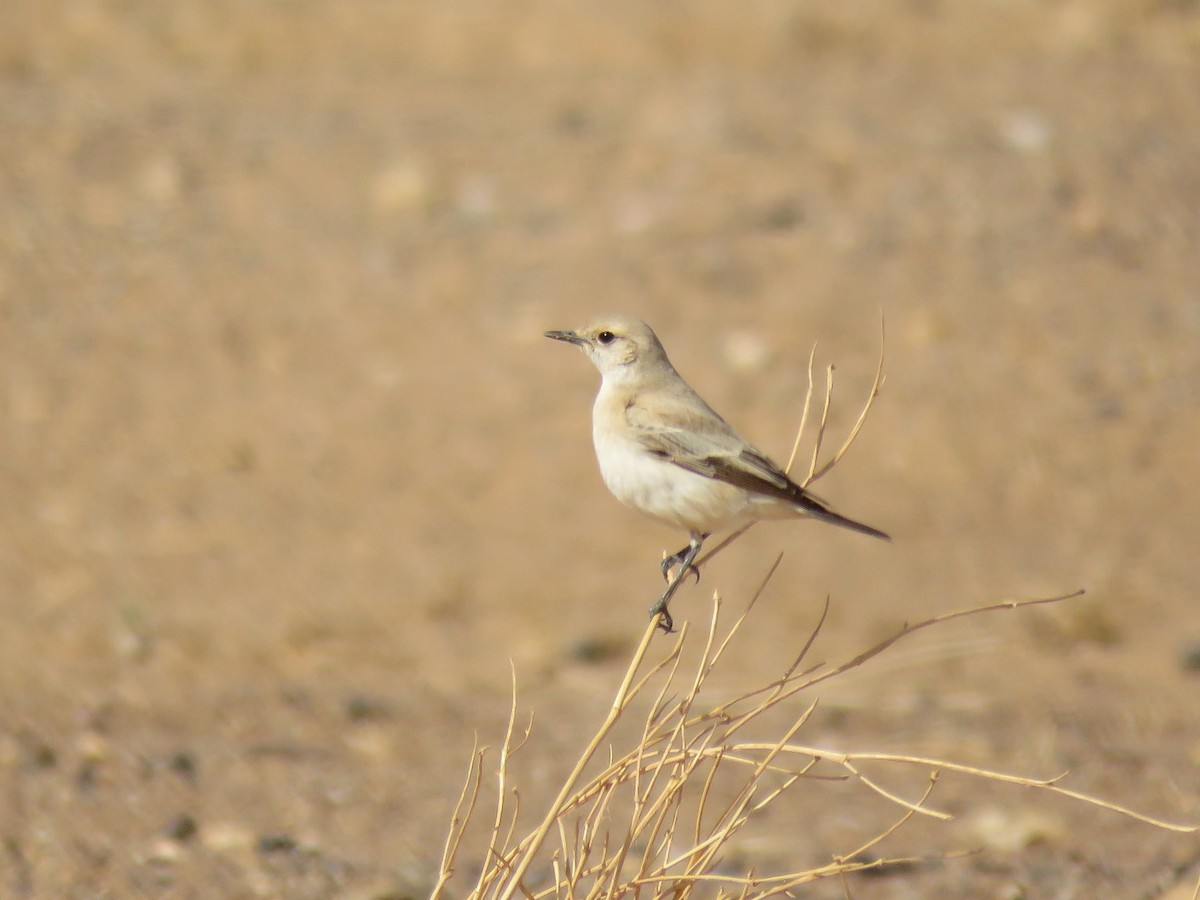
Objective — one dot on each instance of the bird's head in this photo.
(617, 345)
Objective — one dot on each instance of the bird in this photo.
(666, 453)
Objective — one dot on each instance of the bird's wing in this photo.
(686, 432)
(690, 435)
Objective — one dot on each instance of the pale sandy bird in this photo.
(664, 451)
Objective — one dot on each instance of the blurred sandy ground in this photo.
(290, 475)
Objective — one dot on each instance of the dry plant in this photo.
(654, 819)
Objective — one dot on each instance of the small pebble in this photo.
(1010, 831)
(183, 764)
(161, 180)
(226, 837)
(404, 186)
(44, 756)
(595, 650)
(182, 828)
(361, 708)
(92, 747)
(783, 215)
(1025, 131)
(164, 852)
(746, 351)
(1189, 657)
(276, 843)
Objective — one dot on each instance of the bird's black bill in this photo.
(569, 336)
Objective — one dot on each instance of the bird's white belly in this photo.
(667, 492)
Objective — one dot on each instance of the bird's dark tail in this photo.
(820, 510)
(752, 470)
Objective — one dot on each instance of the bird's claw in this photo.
(676, 559)
(665, 622)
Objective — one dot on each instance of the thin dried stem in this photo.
(876, 386)
(895, 826)
(618, 706)
(1045, 784)
(821, 425)
(502, 773)
(737, 625)
(461, 817)
(808, 395)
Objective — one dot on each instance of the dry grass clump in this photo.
(654, 817)
(646, 821)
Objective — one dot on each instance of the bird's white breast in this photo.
(661, 489)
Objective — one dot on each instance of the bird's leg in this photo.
(689, 554)
(671, 561)
(675, 559)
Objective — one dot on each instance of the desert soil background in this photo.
(293, 485)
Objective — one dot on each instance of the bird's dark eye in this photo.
(606, 337)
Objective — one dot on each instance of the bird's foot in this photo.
(685, 559)
(665, 622)
(676, 559)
